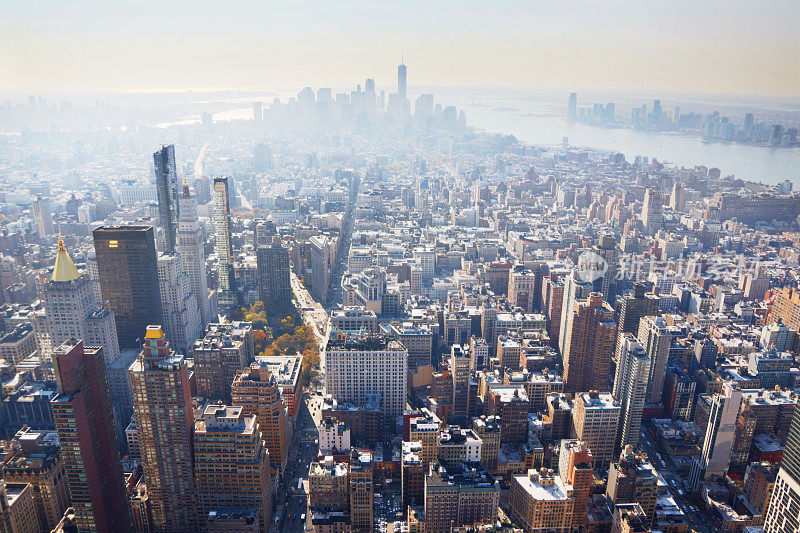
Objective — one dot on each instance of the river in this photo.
(536, 121)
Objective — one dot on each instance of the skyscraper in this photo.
(720, 433)
(574, 289)
(222, 225)
(273, 275)
(182, 321)
(630, 388)
(83, 419)
(43, 216)
(164, 417)
(231, 464)
(652, 210)
(190, 248)
(257, 392)
(656, 337)
(677, 200)
(127, 266)
(71, 311)
(783, 513)
(572, 107)
(401, 81)
(459, 369)
(167, 194)
(590, 330)
(635, 306)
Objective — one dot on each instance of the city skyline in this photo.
(511, 44)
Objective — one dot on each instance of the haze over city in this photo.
(399, 267)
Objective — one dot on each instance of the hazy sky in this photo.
(680, 46)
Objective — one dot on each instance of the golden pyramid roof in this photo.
(65, 269)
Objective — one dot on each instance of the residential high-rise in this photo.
(190, 248)
(783, 513)
(323, 255)
(167, 194)
(361, 491)
(162, 408)
(458, 495)
(635, 306)
(677, 200)
(630, 388)
(231, 465)
(401, 81)
(273, 275)
(459, 369)
(85, 426)
(572, 107)
(257, 392)
(71, 311)
(574, 289)
(652, 210)
(222, 226)
(357, 366)
(656, 337)
(633, 480)
(182, 321)
(590, 330)
(224, 351)
(607, 249)
(127, 266)
(43, 216)
(35, 457)
(575, 468)
(720, 433)
(596, 417)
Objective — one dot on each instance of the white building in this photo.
(360, 365)
(189, 245)
(182, 321)
(334, 437)
(71, 311)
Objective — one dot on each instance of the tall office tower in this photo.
(262, 158)
(258, 113)
(459, 369)
(224, 351)
(720, 432)
(633, 480)
(783, 513)
(591, 331)
(607, 283)
(222, 225)
(575, 468)
(630, 388)
(361, 491)
(656, 338)
(94, 276)
(652, 210)
(323, 255)
(192, 253)
(635, 306)
(359, 366)
(127, 265)
(401, 81)
(71, 311)
(574, 289)
(85, 425)
(43, 216)
(677, 200)
(256, 391)
(273, 275)
(162, 409)
(596, 417)
(522, 283)
(231, 464)
(182, 322)
(572, 107)
(167, 194)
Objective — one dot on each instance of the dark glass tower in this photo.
(128, 271)
(85, 425)
(167, 194)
